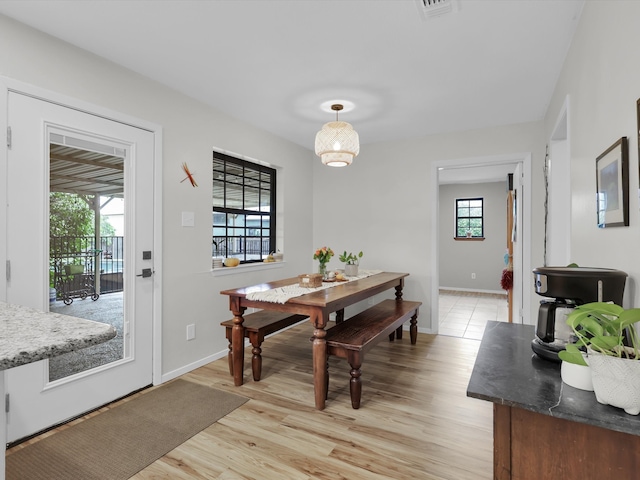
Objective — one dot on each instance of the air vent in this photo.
(435, 8)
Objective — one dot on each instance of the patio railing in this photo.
(76, 263)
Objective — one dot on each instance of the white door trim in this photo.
(525, 159)
(9, 84)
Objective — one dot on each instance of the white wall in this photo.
(602, 77)
(485, 259)
(190, 293)
(381, 204)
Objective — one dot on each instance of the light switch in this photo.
(188, 219)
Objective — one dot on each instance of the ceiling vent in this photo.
(435, 8)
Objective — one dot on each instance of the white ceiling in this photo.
(273, 63)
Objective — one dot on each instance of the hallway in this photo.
(465, 314)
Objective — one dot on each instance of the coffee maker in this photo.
(565, 288)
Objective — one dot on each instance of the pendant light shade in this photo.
(337, 143)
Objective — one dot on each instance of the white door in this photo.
(35, 402)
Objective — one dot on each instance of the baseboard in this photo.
(474, 290)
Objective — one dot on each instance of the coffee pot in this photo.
(566, 288)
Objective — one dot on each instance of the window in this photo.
(469, 218)
(244, 206)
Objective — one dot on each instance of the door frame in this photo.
(525, 234)
(11, 85)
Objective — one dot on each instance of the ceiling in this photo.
(74, 170)
(276, 63)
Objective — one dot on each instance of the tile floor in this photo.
(465, 314)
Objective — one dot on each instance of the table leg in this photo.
(237, 344)
(320, 374)
(399, 288)
(320, 367)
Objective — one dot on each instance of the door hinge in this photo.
(9, 137)
(6, 403)
(8, 270)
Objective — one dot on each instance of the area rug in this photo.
(119, 442)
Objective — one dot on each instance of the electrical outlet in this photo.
(191, 331)
(473, 276)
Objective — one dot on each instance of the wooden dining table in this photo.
(317, 305)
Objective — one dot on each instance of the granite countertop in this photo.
(507, 372)
(28, 335)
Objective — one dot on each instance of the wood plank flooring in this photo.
(415, 420)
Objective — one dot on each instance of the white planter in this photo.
(576, 376)
(616, 381)
(351, 270)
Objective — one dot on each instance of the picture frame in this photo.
(612, 185)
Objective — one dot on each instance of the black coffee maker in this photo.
(567, 287)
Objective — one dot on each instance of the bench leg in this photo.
(399, 333)
(327, 386)
(256, 358)
(230, 354)
(413, 328)
(339, 316)
(355, 385)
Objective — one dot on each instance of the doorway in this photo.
(39, 401)
(519, 163)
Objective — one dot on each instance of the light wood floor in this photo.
(415, 421)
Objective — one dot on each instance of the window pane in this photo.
(218, 193)
(475, 212)
(251, 199)
(475, 203)
(475, 223)
(463, 212)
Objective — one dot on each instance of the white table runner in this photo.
(282, 294)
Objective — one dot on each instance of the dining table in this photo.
(318, 304)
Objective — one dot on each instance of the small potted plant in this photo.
(608, 333)
(351, 262)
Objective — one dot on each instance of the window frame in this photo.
(262, 171)
(458, 217)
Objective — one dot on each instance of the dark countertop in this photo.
(507, 372)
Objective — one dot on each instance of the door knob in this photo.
(146, 272)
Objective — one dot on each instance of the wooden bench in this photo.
(352, 338)
(257, 326)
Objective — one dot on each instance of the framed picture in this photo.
(612, 185)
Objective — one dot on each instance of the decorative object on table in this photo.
(310, 280)
(612, 186)
(351, 262)
(278, 256)
(189, 175)
(323, 255)
(608, 332)
(269, 259)
(231, 262)
(216, 262)
(337, 143)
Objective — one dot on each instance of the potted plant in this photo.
(607, 332)
(351, 262)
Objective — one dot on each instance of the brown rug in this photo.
(120, 442)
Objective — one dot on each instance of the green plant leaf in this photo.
(572, 355)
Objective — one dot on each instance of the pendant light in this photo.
(337, 143)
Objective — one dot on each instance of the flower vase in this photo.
(322, 270)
